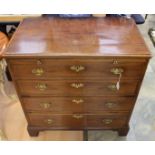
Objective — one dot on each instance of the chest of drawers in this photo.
(77, 74)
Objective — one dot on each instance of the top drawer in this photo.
(75, 68)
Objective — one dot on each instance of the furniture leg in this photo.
(85, 135)
(123, 131)
(32, 132)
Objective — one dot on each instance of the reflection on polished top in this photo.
(48, 36)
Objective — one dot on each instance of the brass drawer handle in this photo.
(112, 87)
(77, 116)
(45, 105)
(77, 101)
(77, 68)
(117, 71)
(77, 85)
(48, 121)
(41, 87)
(107, 121)
(115, 62)
(39, 62)
(109, 105)
(38, 71)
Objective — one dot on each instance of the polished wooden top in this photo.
(48, 36)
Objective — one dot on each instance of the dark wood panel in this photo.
(76, 68)
(64, 121)
(76, 88)
(64, 105)
(41, 61)
(105, 122)
(77, 121)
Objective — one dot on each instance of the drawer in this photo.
(105, 122)
(64, 105)
(70, 68)
(57, 121)
(76, 88)
(77, 121)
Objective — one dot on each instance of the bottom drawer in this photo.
(77, 121)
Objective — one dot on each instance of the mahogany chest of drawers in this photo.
(77, 74)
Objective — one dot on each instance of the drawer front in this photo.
(105, 122)
(52, 68)
(77, 121)
(58, 121)
(64, 105)
(76, 88)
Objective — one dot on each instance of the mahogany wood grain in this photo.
(84, 122)
(57, 121)
(61, 68)
(90, 37)
(89, 88)
(70, 105)
(105, 122)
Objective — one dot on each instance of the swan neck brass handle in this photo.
(41, 86)
(38, 71)
(117, 71)
(107, 121)
(39, 62)
(48, 121)
(77, 85)
(45, 105)
(109, 105)
(77, 68)
(112, 87)
(77, 101)
(77, 116)
(115, 62)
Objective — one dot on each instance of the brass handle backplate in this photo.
(77, 68)
(77, 101)
(45, 105)
(41, 87)
(115, 62)
(39, 62)
(77, 116)
(48, 121)
(112, 87)
(77, 85)
(117, 71)
(107, 121)
(109, 105)
(38, 71)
